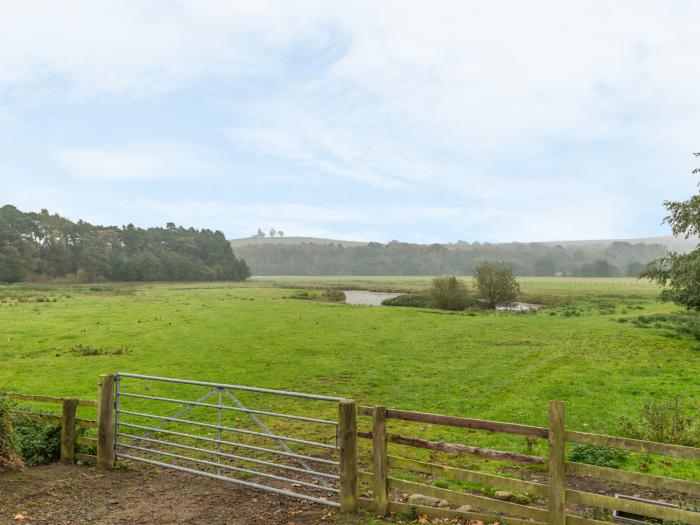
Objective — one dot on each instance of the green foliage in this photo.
(598, 268)
(449, 293)
(40, 246)
(410, 299)
(600, 456)
(304, 295)
(496, 284)
(665, 421)
(680, 323)
(680, 273)
(39, 441)
(333, 295)
(9, 444)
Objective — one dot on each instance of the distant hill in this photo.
(678, 244)
(257, 241)
(587, 258)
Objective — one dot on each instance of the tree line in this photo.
(398, 258)
(41, 246)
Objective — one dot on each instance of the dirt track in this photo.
(59, 494)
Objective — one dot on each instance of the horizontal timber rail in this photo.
(48, 399)
(441, 446)
(634, 478)
(635, 507)
(461, 498)
(406, 508)
(462, 422)
(54, 418)
(500, 482)
(634, 445)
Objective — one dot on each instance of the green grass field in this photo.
(501, 366)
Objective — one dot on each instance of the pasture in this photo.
(56, 340)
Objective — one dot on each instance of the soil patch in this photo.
(138, 494)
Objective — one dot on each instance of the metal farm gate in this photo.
(255, 437)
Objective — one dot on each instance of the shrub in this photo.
(600, 456)
(333, 295)
(304, 295)
(9, 444)
(39, 441)
(449, 293)
(665, 421)
(409, 299)
(496, 284)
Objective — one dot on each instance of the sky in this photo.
(366, 120)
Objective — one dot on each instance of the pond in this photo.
(367, 298)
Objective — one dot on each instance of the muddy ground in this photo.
(61, 494)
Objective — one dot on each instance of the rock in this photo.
(464, 508)
(444, 504)
(112, 501)
(503, 495)
(522, 499)
(420, 499)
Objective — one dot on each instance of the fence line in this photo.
(555, 491)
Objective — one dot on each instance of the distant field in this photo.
(562, 287)
(502, 366)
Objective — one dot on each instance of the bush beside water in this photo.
(409, 299)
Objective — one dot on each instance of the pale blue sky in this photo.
(418, 121)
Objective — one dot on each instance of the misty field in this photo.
(591, 352)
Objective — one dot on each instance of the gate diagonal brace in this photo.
(180, 412)
(265, 429)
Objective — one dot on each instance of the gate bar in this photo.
(231, 443)
(248, 484)
(233, 456)
(230, 467)
(231, 429)
(227, 407)
(233, 387)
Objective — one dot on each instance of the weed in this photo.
(665, 421)
(599, 456)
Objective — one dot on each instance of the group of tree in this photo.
(42, 246)
(260, 234)
(400, 258)
(495, 286)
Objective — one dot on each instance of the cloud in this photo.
(132, 163)
(501, 120)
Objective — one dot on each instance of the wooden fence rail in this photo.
(555, 491)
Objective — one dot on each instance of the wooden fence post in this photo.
(379, 442)
(105, 423)
(348, 455)
(68, 430)
(557, 464)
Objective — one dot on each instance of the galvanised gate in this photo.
(255, 437)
